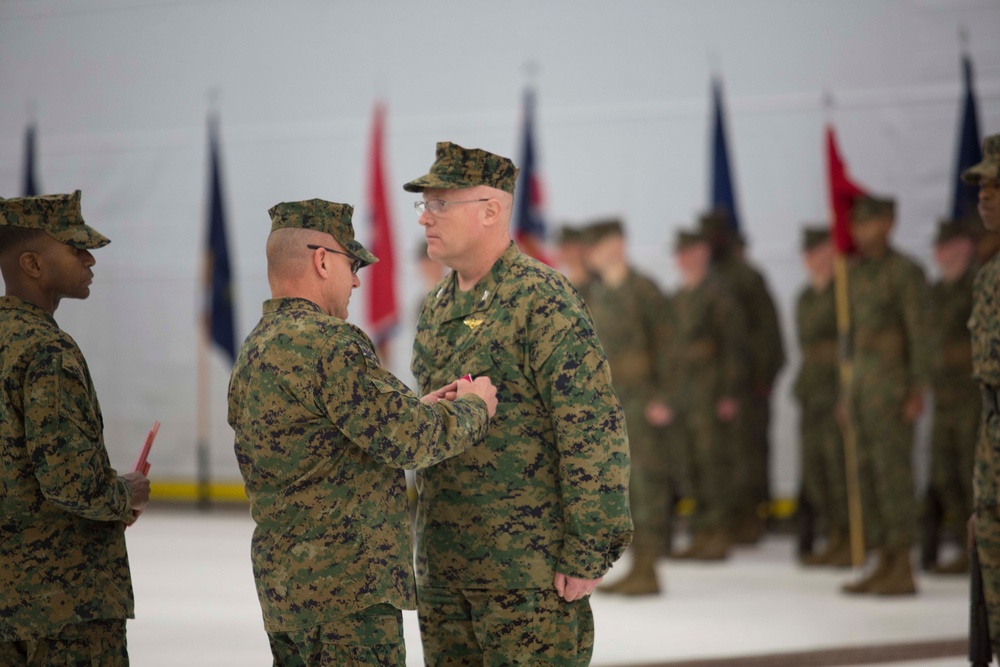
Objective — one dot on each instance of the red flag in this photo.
(843, 192)
(529, 223)
(382, 312)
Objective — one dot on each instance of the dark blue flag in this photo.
(218, 273)
(29, 185)
(969, 151)
(723, 194)
(529, 223)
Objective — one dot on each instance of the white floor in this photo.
(196, 604)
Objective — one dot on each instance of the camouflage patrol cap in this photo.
(867, 207)
(989, 168)
(322, 216)
(813, 236)
(57, 215)
(569, 234)
(601, 229)
(949, 229)
(456, 168)
(687, 238)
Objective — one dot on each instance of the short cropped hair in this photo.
(16, 238)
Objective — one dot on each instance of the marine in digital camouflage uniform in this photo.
(890, 344)
(710, 369)
(956, 394)
(817, 389)
(984, 324)
(65, 586)
(569, 259)
(323, 433)
(633, 322)
(765, 355)
(514, 533)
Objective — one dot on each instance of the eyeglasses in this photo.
(355, 262)
(437, 206)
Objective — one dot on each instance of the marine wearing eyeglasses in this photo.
(323, 434)
(513, 534)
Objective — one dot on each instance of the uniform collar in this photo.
(289, 304)
(455, 303)
(17, 303)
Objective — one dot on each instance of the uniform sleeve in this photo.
(573, 379)
(659, 321)
(379, 414)
(769, 352)
(63, 433)
(729, 325)
(915, 304)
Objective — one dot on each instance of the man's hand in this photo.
(914, 406)
(726, 409)
(659, 414)
(481, 387)
(572, 589)
(449, 392)
(140, 492)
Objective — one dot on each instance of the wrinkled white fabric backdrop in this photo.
(120, 92)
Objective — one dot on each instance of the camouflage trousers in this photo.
(491, 628)
(753, 451)
(709, 455)
(953, 447)
(987, 503)
(373, 636)
(649, 484)
(824, 482)
(885, 466)
(94, 644)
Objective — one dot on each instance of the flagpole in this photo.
(203, 494)
(852, 476)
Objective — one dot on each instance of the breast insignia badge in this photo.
(472, 323)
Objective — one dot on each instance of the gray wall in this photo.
(120, 91)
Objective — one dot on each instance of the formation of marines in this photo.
(556, 417)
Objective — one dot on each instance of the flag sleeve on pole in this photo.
(529, 222)
(723, 191)
(969, 152)
(383, 313)
(219, 317)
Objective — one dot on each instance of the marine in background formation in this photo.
(569, 259)
(956, 394)
(514, 533)
(633, 322)
(764, 356)
(984, 325)
(323, 434)
(889, 340)
(65, 584)
(709, 344)
(817, 389)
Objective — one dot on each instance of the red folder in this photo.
(141, 464)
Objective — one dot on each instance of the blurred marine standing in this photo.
(817, 388)
(323, 434)
(888, 301)
(516, 532)
(957, 404)
(633, 321)
(65, 585)
(985, 327)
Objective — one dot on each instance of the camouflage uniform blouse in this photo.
(984, 324)
(62, 542)
(547, 490)
(323, 433)
(818, 379)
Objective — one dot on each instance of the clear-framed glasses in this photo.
(355, 262)
(437, 206)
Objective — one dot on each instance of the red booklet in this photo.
(141, 464)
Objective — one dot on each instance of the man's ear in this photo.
(491, 212)
(30, 262)
(319, 259)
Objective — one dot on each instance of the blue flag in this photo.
(529, 223)
(969, 151)
(29, 185)
(723, 194)
(218, 274)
